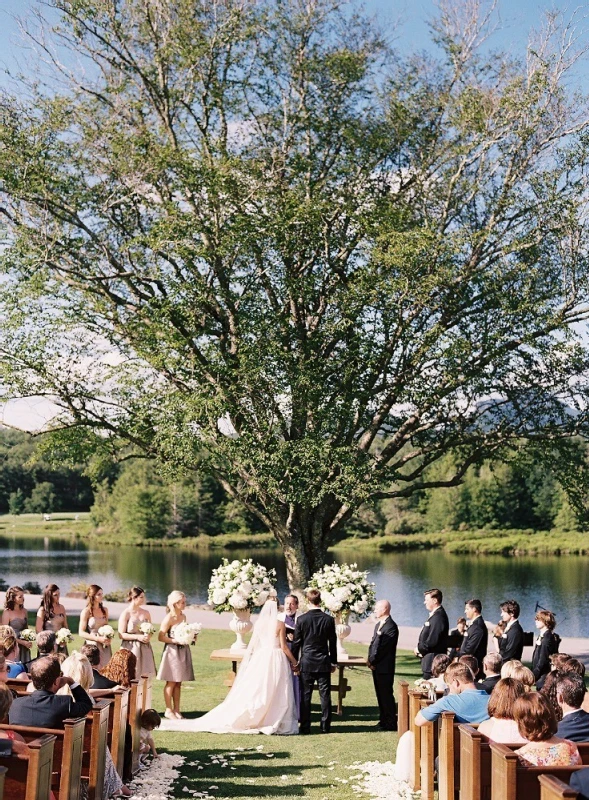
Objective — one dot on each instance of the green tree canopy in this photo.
(250, 238)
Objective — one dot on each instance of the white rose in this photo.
(219, 597)
(342, 593)
(245, 588)
(237, 600)
(235, 564)
(261, 598)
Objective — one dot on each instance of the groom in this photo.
(315, 647)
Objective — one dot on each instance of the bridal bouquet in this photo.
(344, 589)
(27, 635)
(107, 631)
(240, 585)
(185, 633)
(147, 629)
(63, 636)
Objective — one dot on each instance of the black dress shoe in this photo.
(325, 730)
(304, 732)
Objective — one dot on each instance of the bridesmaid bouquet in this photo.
(107, 631)
(241, 585)
(63, 636)
(185, 633)
(147, 629)
(344, 589)
(28, 635)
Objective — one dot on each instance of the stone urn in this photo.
(342, 630)
(240, 625)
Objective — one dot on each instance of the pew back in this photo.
(512, 780)
(28, 777)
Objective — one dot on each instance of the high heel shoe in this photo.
(169, 714)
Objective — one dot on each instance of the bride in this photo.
(261, 699)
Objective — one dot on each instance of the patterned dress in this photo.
(550, 754)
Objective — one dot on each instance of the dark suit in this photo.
(549, 644)
(580, 783)
(511, 643)
(433, 639)
(475, 641)
(100, 682)
(315, 647)
(575, 726)
(382, 655)
(489, 683)
(43, 709)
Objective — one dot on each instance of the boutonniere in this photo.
(427, 624)
(504, 636)
(539, 640)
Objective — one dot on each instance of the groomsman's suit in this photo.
(382, 655)
(315, 647)
(547, 644)
(475, 641)
(511, 642)
(433, 639)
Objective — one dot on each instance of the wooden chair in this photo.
(147, 686)
(135, 711)
(94, 755)
(403, 708)
(28, 777)
(512, 780)
(552, 788)
(67, 754)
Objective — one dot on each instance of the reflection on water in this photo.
(560, 583)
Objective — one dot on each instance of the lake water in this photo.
(559, 583)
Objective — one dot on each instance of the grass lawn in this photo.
(311, 767)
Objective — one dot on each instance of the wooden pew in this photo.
(427, 756)
(117, 724)
(475, 763)
(552, 788)
(512, 780)
(135, 711)
(67, 754)
(28, 777)
(94, 755)
(403, 708)
(417, 701)
(147, 686)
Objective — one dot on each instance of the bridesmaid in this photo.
(15, 615)
(176, 665)
(51, 614)
(93, 617)
(129, 632)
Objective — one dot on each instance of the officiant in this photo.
(382, 655)
(289, 616)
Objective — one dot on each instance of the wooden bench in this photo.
(67, 754)
(552, 788)
(512, 780)
(28, 777)
(94, 755)
(147, 686)
(135, 711)
(403, 708)
(117, 726)
(475, 763)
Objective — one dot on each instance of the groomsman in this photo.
(434, 634)
(511, 642)
(476, 636)
(382, 654)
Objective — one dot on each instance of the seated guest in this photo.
(44, 708)
(515, 669)
(440, 664)
(468, 703)
(9, 646)
(10, 741)
(574, 665)
(501, 727)
(471, 662)
(547, 645)
(492, 670)
(121, 668)
(580, 783)
(558, 660)
(46, 645)
(92, 653)
(537, 723)
(570, 692)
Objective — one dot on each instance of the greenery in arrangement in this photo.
(344, 589)
(241, 584)
(251, 240)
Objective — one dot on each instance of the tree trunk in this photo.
(304, 541)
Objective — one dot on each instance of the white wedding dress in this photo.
(261, 699)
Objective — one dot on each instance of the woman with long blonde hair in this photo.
(176, 665)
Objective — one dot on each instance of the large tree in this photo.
(251, 238)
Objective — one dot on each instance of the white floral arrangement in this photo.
(63, 636)
(27, 635)
(106, 631)
(240, 585)
(185, 633)
(424, 685)
(344, 589)
(147, 629)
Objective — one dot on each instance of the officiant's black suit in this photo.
(315, 648)
(433, 639)
(382, 655)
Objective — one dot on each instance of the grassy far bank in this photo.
(479, 542)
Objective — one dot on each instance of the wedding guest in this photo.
(15, 615)
(498, 632)
(574, 665)
(440, 664)
(130, 623)
(550, 693)
(476, 636)
(515, 669)
(382, 655)
(501, 726)
(51, 615)
(434, 633)
(492, 671)
(468, 703)
(122, 668)
(93, 617)
(289, 616)
(176, 663)
(511, 643)
(92, 653)
(12, 743)
(150, 720)
(537, 723)
(471, 662)
(547, 645)
(579, 782)
(570, 692)
(46, 646)
(9, 648)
